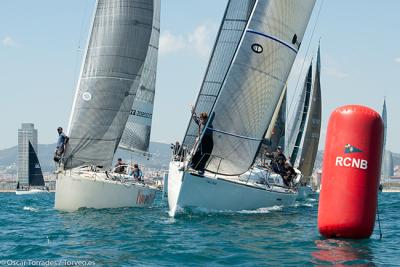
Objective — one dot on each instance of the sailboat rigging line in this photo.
(236, 135)
(273, 38)
(81, 71)
(308, 48)
(79, 48)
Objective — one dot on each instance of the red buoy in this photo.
(350, 173)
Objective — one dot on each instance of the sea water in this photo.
(33, 233)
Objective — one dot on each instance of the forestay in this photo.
(297, 129)
(231, 30)
(136, 136)
(254, 83)
(311, 136)
(109, 80)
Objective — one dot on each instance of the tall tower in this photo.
(26, 134)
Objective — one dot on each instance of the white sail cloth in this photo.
(231, 30)
(136, 136)
(254, 83)
(109, 80)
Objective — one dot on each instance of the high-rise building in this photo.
(26, 134)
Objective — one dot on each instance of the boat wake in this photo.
(208, 212)
(30, 209)
(261, 210)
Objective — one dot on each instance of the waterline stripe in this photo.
(273, 38)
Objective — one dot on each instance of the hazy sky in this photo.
(41, 46)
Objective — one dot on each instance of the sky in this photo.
(42, 44)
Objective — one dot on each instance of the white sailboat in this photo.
(242, 90)
(112, 108)
(306, 127)
(35, 176)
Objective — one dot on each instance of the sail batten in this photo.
(109, 80)
(254, 83)
(312, 134)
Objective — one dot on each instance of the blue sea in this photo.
(32, 233)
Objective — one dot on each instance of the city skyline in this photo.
(42, 45)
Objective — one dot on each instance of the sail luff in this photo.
(231, 30)
(312, 134)
(81, 70)
(109, 80)
(136, 135)
(254, 83)
(303, 110)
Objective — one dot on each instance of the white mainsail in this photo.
(109, 80)
(299, 122)
(254, 82)
(136, 136)
(233, 24)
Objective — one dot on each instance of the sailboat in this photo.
(312, 133)
(112, 108)
(35, 176)
(256, 46)
(387, 158)
(306, 127)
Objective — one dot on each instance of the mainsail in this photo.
(109, 80)
(297, 129)
(254, 82)
(136, 136)
(35, 171)
(233, 24)
(311, 137)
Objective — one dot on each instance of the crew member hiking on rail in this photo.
(204, 149)
(61, 144)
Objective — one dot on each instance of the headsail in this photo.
(35, 171)
(297, 129)
(311, 137)
(234, 22)
(136, 136)
(254, 82)
(275, 135)
(109, 80)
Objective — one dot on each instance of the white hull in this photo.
(74, 191)
(30, 191)
(188, 190)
